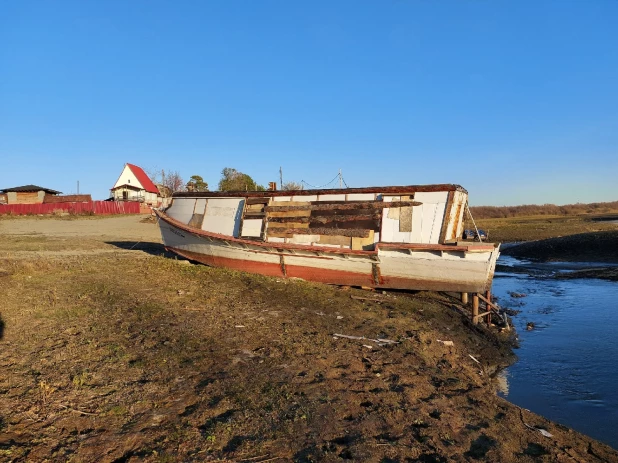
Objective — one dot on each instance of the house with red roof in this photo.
(135, 185)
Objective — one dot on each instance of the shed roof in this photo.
(26, 188)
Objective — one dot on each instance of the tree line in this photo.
(231, 180)
(501, 212)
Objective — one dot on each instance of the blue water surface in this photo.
(567, 369)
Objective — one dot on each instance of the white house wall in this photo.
(127, 177)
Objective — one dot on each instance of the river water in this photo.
(568, 363)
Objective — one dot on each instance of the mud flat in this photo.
(599, 250)
(111, 351)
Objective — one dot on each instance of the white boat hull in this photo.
(463, 268)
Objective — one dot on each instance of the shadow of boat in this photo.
(149, 247)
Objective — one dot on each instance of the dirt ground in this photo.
(113, 351)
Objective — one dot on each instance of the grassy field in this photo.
(112, 351)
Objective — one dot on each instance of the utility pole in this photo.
(340, 179)
(280, 178)
(78, 187)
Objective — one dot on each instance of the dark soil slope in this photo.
(196, 364)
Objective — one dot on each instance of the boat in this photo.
(396, 237)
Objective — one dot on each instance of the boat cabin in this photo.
(352, 218)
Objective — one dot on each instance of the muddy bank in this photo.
(107, 357)
(596, 248)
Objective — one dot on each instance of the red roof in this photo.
(143, 178)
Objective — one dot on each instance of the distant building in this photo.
(134, 185)
(27, 194)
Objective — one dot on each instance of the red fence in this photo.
(92, 207)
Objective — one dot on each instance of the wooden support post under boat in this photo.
(488, 297)
(475, 309)
(464, 298)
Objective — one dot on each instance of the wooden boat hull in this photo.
(436, 267)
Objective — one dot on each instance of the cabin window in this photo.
(254, 218)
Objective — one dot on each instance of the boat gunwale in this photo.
(324, 249)
(375, 189)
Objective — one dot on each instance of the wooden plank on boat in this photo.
(340, 212)
(252, 201)
(315, 218)
(405, 216)
(342, 205)
(336, 240)
(318, 219)
(358, 233)
(254, 215)
(359, 244)
(280, 204)
(299, 213)
(368, 224)
(291, 225)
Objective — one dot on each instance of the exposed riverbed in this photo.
(567, 362)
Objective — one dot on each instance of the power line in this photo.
(322, 186)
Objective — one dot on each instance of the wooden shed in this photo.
(27, 194)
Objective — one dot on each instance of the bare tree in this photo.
(174, 182)
(167, 182)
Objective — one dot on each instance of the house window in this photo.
(129, 181)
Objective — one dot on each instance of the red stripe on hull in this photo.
(428, 285)
(263, 268)
(319, 275)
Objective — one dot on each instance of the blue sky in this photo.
(515, 100)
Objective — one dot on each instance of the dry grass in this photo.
(504, 230)
(529, 210)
